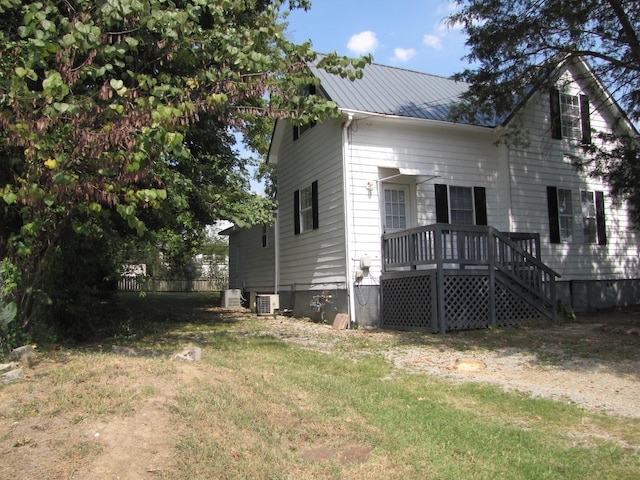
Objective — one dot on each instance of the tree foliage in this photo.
(115, 118)
(514, 45)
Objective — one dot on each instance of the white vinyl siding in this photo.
(315, 259)
(542, 161)
(379, 147)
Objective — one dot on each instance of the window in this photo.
(562, 216)
(461, 205)
(306, 209)
(593, 225)
(565, 215)
(395, 208)
(264, 236)
(570, 116)
(588, 203)
(305, 203)
(299, 130)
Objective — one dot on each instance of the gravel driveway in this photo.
(592, 363)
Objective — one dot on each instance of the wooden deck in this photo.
(442, 277)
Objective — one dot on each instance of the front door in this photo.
(396, 207)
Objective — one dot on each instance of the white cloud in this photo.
(432, 41)
(363, 42)
(403, 54)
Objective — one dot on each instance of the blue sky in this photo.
(403, 33)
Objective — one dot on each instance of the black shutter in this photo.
(480, 201)
(314, 204)
(296, 132)
(554, 219)
(556, 120)
(442, 204)
(585, 117)
(600, 223)
(296, 212)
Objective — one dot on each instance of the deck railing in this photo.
(516, 256)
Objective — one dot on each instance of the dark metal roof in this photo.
(395, 91)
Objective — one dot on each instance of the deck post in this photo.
(554, 299)
(491, 243)
(442, 321)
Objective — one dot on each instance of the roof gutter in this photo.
(412, 120)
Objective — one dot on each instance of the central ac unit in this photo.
(267, 304)
(231, 298)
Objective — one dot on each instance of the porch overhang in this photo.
(419, 175)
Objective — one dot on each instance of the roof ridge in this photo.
(394, 67)
(415, 71)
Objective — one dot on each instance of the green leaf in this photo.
(54, 86)
(26, 72)
(10, 198)
(62, 178)
(116, 84)
(8, 314)
(68, 40)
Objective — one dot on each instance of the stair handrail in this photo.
(514, 246)
(531, 261)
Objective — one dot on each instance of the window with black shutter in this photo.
(305, 208)
(461, 205)
(562, 216)
(570, 116)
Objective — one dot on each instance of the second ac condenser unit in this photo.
(231, 298)
(267, 304)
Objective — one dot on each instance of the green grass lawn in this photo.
(256, 407)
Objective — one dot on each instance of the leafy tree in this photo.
(105, 110)
(515, 44)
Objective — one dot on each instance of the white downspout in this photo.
(276, 248)
(346, 158)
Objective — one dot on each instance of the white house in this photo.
(399, 217)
